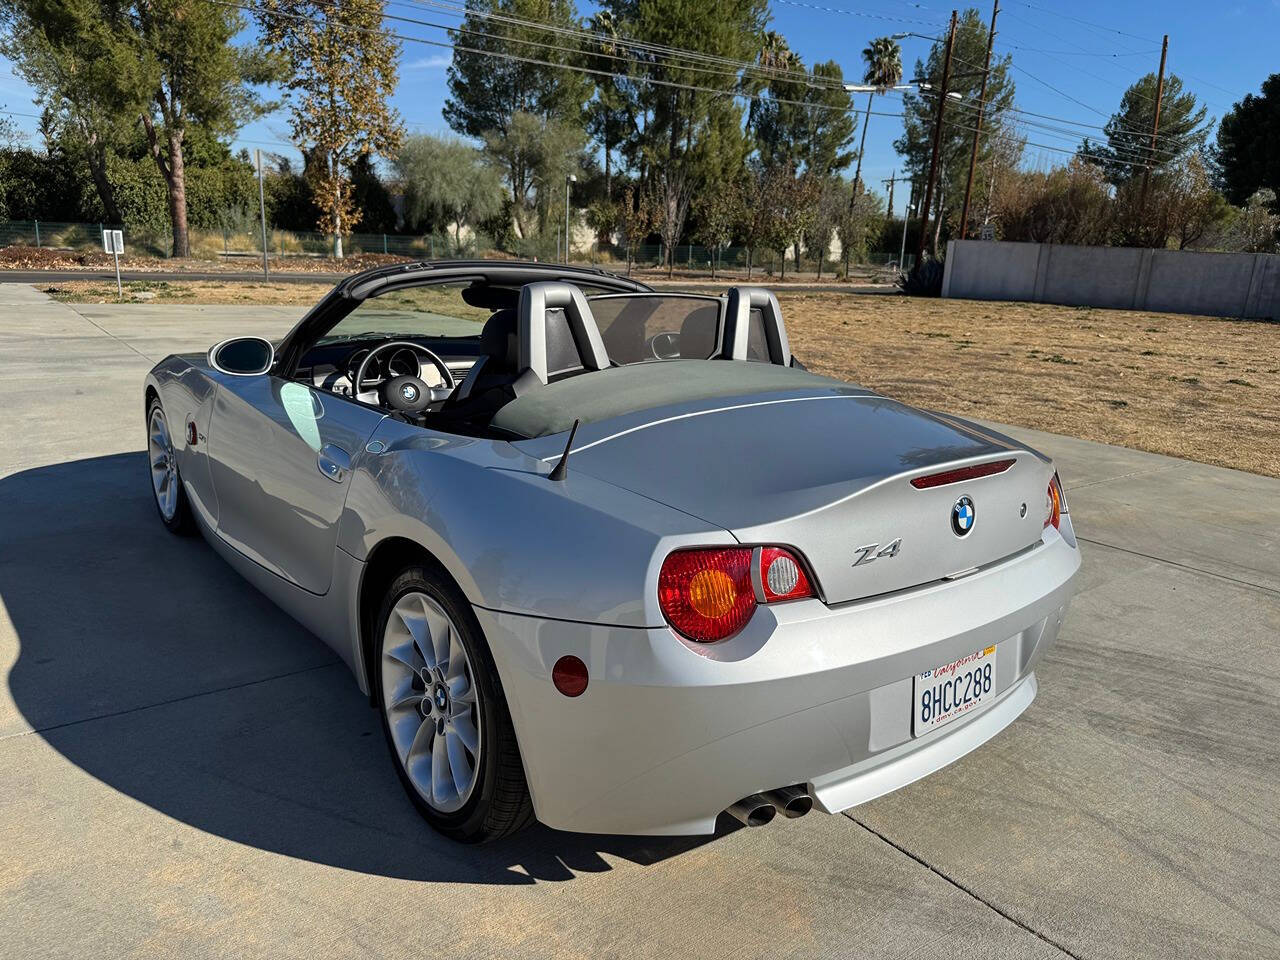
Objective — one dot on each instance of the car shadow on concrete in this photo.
(148, 663)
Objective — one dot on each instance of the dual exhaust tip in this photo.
(760, 808)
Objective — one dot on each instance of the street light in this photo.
(567, 180)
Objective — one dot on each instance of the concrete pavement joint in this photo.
(1183, 566)
(1123, 476)
(105, 331)
(164, 703)
(964, 889)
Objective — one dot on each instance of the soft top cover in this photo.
(616, 391)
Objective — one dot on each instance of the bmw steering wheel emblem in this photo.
(409, 392)
(962, 516)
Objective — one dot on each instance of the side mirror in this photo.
(242, 356)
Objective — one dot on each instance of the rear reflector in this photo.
(710, 594)
(570, 676)
(961, 473)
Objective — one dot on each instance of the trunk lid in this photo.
(830, 477)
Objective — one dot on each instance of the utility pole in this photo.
(892, 177)
(977, 130)
(1155, 125)
(937, 136)
(262, 210)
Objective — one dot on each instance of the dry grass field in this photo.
(1196, 387)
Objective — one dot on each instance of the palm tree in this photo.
(883, 57)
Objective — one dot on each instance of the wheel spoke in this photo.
(406, 655)
(459, 765)
(440, 633)
(416, 625)
(421, 746)
(441, 776)
(404, 696)
(465, 731)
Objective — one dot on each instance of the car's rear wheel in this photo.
(166, 484)
(443, 712)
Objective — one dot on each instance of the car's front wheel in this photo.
(443, 712)
(166, 484)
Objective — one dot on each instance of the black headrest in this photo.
(500, 337)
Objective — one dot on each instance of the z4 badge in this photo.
(873, 551)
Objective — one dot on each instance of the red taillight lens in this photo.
(706, 594)
(709, 594)
(781, 575)
(1054, 506)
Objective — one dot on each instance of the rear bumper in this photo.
(667, 735)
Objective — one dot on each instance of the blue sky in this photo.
(1221, 51)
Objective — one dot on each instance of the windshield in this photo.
(437, 310)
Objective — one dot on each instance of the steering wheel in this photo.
(664, 346)
(406, 394)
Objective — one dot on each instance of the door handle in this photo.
(334, 462)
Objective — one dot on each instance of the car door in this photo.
(280, 457)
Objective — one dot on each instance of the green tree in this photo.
(170, 64)
(371, 197)
(1128, 132)
(343, 75)
(506, 103)
(800, 118)
(1257, 227)
(719, 215)
(956, 139)
(684, 138)
(57, 46)
(859, 221)
(883, 58)
(447, 181)
(1248, 148)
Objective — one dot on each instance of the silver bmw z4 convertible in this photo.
(611, 558)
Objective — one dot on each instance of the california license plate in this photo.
(944, 693)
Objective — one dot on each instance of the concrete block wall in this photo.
(1172, 281)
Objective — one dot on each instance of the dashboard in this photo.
(332, 366)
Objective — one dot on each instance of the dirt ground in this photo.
(1196, 387)
(188, 291)
(1202, 388)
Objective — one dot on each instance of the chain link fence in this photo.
(243, 242)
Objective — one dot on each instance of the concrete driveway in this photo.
(185, 772)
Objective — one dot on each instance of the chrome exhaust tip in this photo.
(791, 802)
(754, 811)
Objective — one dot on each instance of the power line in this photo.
(1087, 23)
(859, 13)
(606, 40)
(717, 91)
(732, 68)
(735, 94)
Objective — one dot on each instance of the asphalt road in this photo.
(45, 277)
(185, 772)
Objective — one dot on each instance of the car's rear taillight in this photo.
(781, 576)
(1055, 504)
(710, 594)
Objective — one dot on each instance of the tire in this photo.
(432, 712)
(168, 495)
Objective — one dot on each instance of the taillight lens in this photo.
(708, 594)
(1055, 505)
(781, 575)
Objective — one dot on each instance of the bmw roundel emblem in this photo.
(409, 392)
(962, 516)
